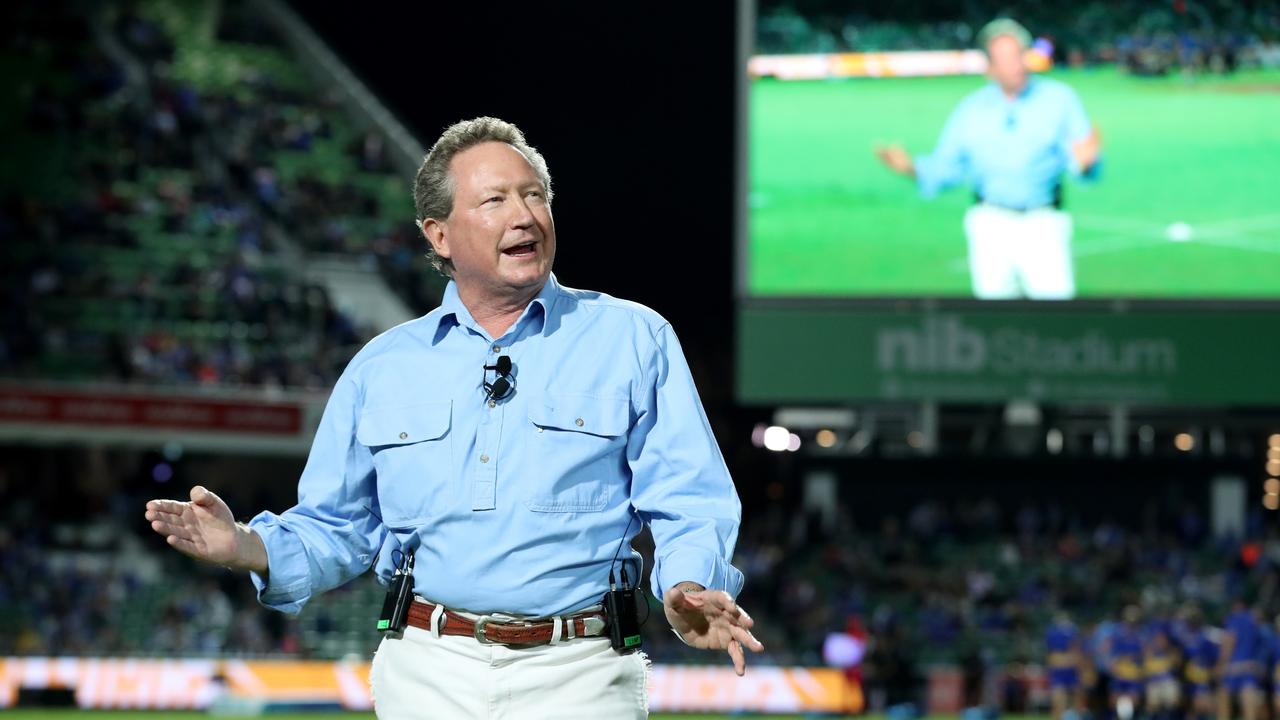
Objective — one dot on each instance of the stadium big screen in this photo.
(1184, 205)
(1172, 238)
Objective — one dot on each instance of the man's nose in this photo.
(522, 214)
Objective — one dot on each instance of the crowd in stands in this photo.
(176, 178)
(1143, 38)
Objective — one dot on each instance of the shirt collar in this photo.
(998, 92)
(453, 312)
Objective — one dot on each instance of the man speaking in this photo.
(1012, 140)
(501, 451)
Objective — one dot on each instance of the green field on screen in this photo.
(827, 220)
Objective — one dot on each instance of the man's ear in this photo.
(437, 234)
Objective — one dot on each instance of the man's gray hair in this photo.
(433, 186)
(1003, 26)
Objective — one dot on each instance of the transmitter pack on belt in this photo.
(623, 621)
(620, 604)
(395, 608)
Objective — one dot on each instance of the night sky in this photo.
(632, 107)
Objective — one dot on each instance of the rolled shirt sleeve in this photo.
(947, 165)
(1075, 128)
(680, 484)
(332, 534)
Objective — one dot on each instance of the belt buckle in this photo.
(478, 630)
(592, 625)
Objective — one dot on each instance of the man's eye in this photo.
(495, 198)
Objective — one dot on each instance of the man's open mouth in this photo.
(522, 250)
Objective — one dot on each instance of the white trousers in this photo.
(419, 676)
(1019, 255)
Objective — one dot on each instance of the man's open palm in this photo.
(711, 620)
(204, 528)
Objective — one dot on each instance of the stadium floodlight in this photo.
(776, 438)
(1053, 441)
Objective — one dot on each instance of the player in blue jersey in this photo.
(1093, 670)
(1200, 646)
(1160, 670)
(1124, 663)
(1065, 662)
(1238, 665)
(1274, 667)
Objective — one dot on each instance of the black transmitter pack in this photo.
(395, 608)
(621, 614)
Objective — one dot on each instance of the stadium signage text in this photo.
(944, 344)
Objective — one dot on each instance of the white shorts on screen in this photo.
(1015, 255)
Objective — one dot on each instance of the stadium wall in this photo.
(116, 683)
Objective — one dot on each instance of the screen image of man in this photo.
(511, 441)
(1012, 141)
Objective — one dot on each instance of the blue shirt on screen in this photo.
(516, 506)
(1012, 152)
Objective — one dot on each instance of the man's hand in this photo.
(711, 620)
(1086, 151)
(206, 530)
(897, 159)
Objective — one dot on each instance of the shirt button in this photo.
(484, 458)
(578, 422)
(497, 348)
(404, 435)
(493, 403)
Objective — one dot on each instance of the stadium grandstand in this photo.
(204, 214)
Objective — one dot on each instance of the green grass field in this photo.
(827, 220)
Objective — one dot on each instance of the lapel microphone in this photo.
(502, 387)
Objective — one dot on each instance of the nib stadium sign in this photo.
(789, 354)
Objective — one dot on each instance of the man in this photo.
(1065, 664)
(1160, 662)
(1273, 662)
(1238, 667)
(1065, 661)
(1124, 657)
(1201, 650)
(1012, 140)
(514, 440)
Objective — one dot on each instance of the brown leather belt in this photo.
(490, 632)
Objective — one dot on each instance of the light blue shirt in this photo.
(1011, 152)
(520, 506)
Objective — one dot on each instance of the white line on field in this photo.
(1272, 247)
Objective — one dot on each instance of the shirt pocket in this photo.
(412, 453)
(579, 441)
